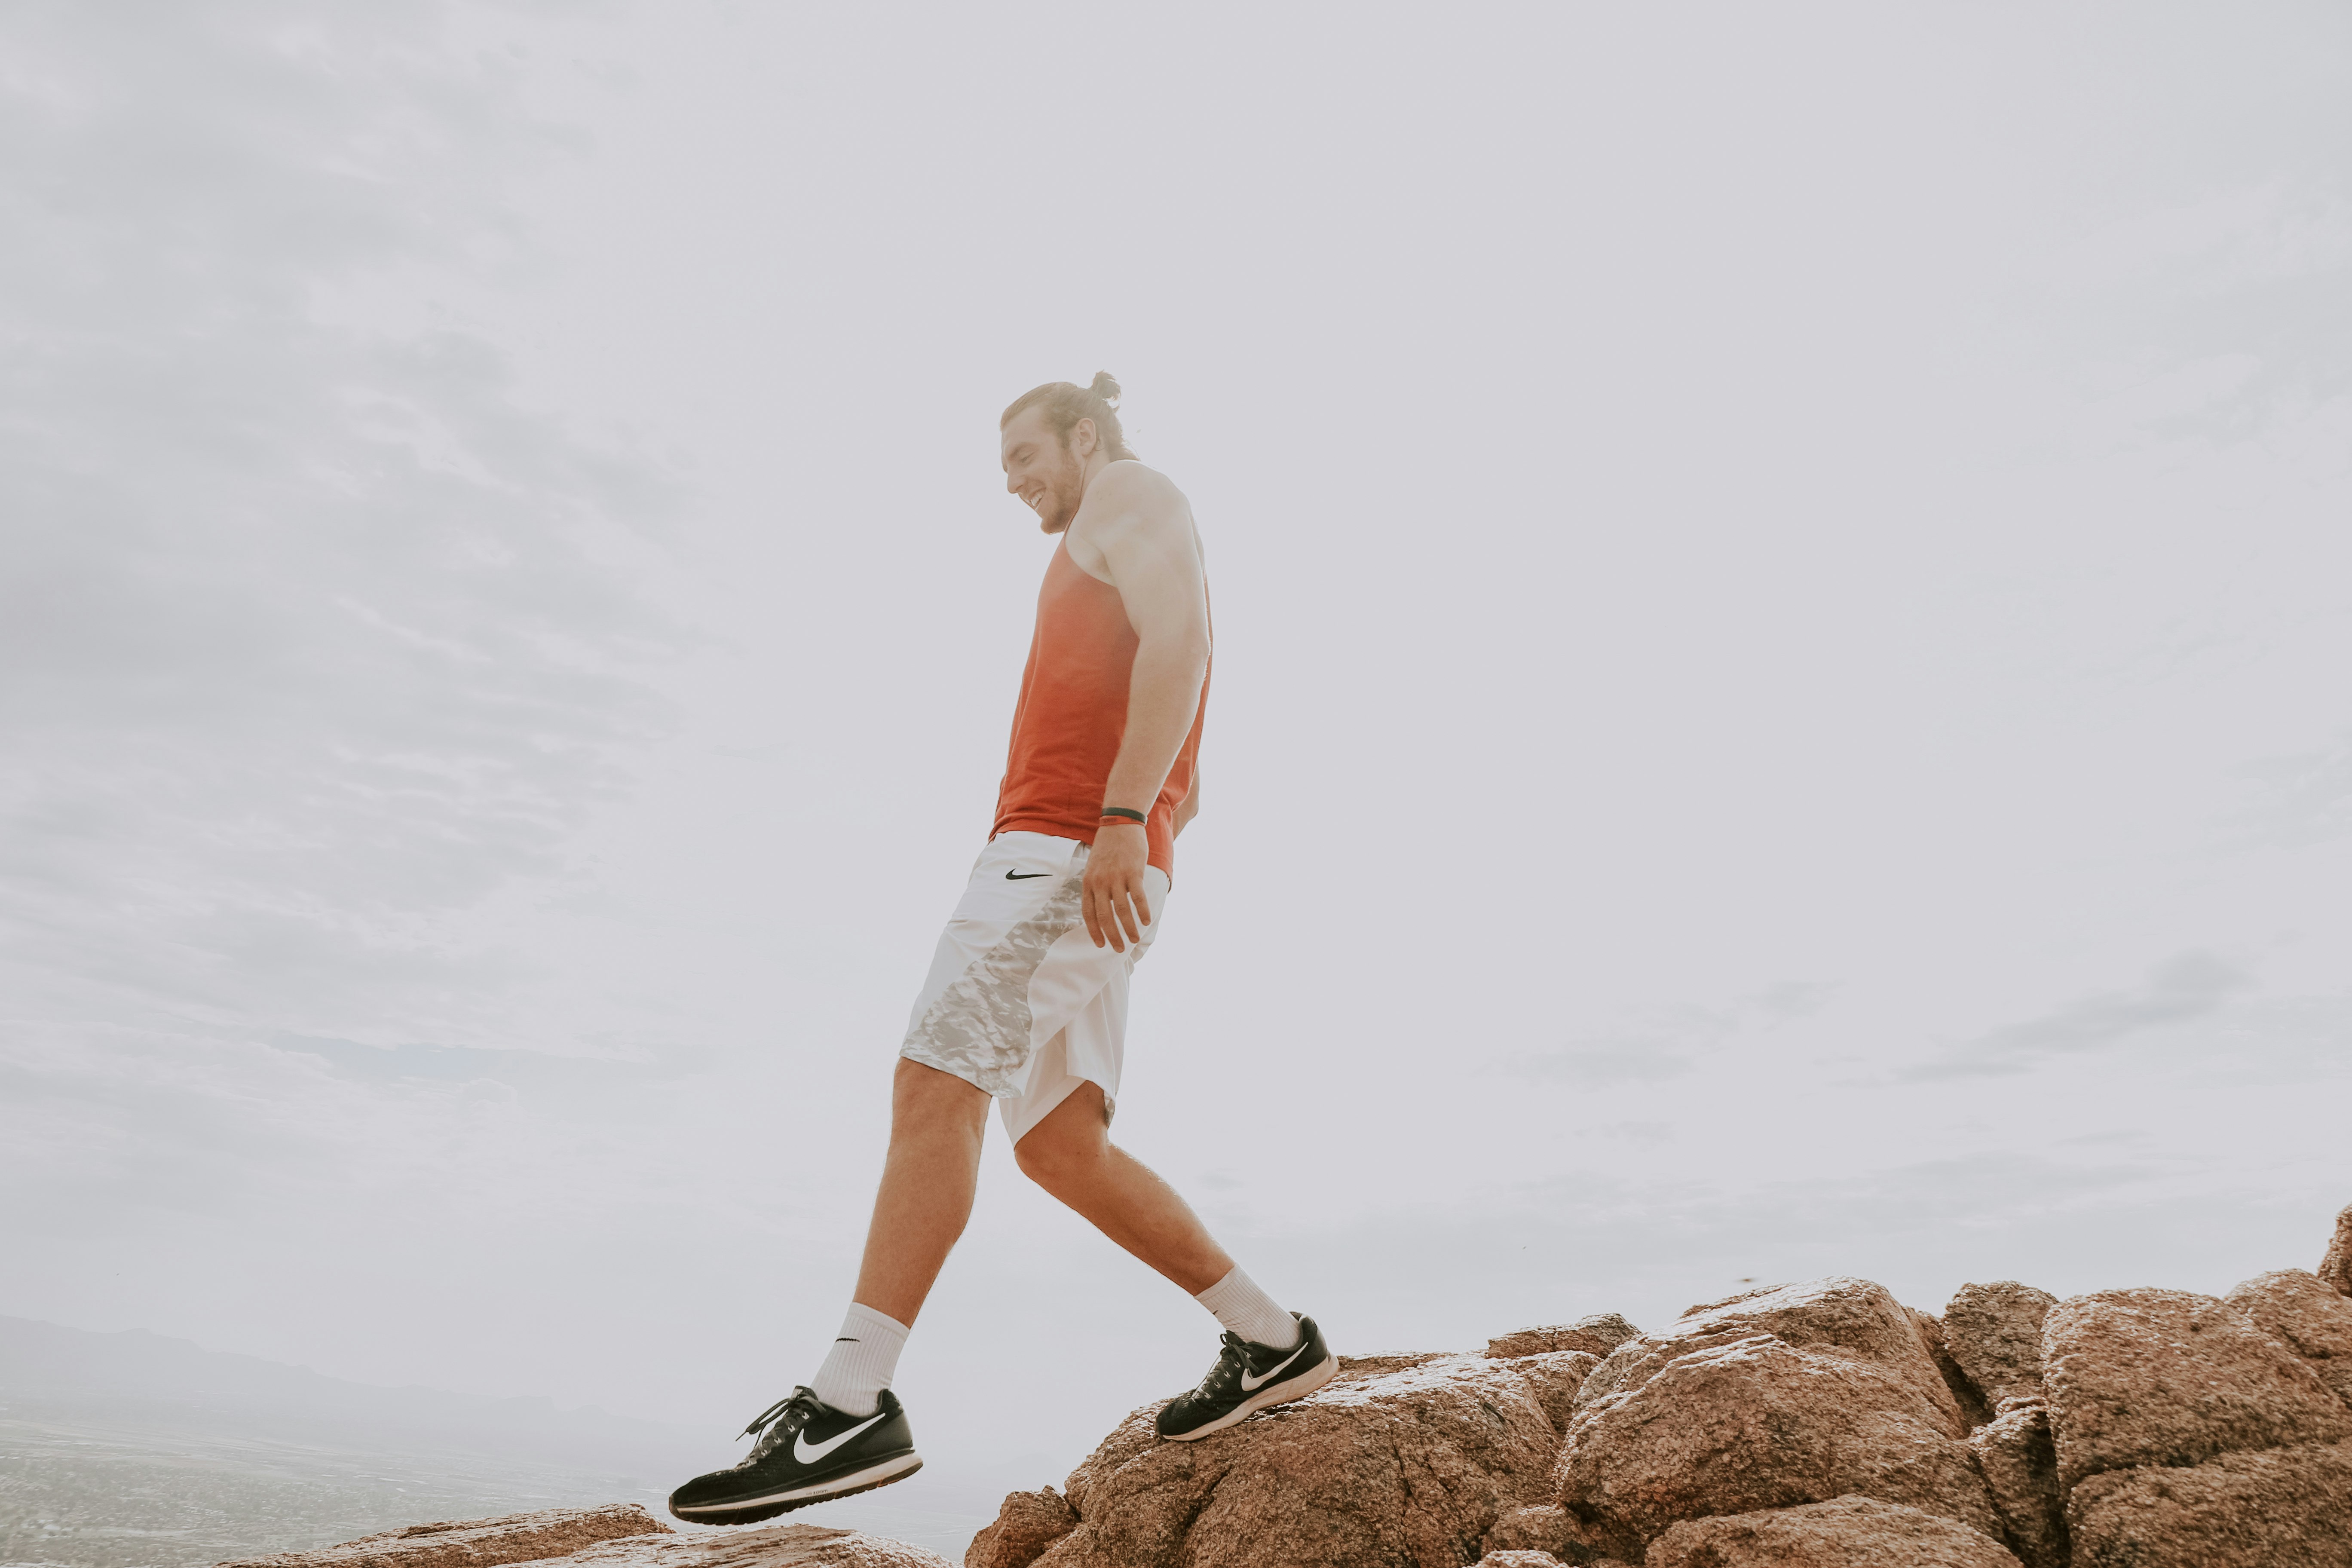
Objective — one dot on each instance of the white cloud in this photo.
(2186, 988)
(313, 634)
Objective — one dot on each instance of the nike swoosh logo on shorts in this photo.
(809, 1454)
(1025, 875)
(1251, 1384)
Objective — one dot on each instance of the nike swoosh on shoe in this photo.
(1251, 1384)
(809, 1452)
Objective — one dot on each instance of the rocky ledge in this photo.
(1822, 1424)
(622, 1535)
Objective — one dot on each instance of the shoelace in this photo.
(780, 1412)
(1229, 1365)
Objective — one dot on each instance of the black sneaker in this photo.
(1249, 1378)
(810, 1453)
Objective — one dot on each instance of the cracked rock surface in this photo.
(1406, 1469)
(2302, 1312)
(1843, 1532)
(2019, 1466)
(2275, 1507)
(1776, 1398)
(2171, 1378)
(1994, 1332)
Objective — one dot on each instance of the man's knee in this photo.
(1059, 1156)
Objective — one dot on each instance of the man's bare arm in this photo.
(1135, 529)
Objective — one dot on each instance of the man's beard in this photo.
(1063, 493)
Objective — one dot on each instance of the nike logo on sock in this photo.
(1251, 1384)
(809, 1452)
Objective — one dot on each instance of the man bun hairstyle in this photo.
(1066, 403)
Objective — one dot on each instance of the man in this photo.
(1026, 999)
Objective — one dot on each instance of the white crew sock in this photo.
(862, 1359)
(1250, 1313)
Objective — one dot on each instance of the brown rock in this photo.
(1844, 1533)
(476, 1542)
(1518, 1560)
(2298, 1309)
(1551, 1527)
(1728, 1300)
(1760, 1424)
(1974, 1409)
(2335, 1269)
(1406, 1470)
(1851, 1319)
(1362, 1368)
(2282, 1508)
(1540, 1527)
(1597, 1336)
(1026, 1524)
(779, 1546)
(2167, 1377)
(1556, 1377)
(1994, 1332)
(620, 1536)
(2019, 1466)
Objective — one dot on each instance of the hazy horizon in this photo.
(1782, 591)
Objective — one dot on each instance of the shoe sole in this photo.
(1282, 1393)
(752, 1510)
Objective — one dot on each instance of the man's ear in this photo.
(1082, 439)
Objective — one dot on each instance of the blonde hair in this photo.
(1066, 403)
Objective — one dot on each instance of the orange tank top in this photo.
(1072, 715)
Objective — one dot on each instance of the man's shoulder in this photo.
(1130, 483)
(1133, 514)
(1129, 502)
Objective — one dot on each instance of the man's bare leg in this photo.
(937, 1121)
(1070, 1154)
(844, 1432)
(1270, 1357)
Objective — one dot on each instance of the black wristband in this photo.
(1134, 816)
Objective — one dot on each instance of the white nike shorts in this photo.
(1020, 1003)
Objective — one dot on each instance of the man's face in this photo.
(1042, 471)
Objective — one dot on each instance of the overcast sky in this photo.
(1784, 603)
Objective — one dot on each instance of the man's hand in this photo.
(1115, 901)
